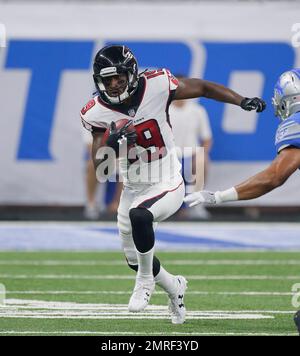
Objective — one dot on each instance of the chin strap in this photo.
(118, 99)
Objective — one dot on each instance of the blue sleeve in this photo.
(288, 134)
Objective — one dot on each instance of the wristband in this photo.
(226, 195)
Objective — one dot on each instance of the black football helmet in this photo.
(114, 60)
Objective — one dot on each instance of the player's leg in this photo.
(162, 277)
(125, 231)
(157, 204)
(175, 286)
(124, 227)
(90, 210)
(142, 290)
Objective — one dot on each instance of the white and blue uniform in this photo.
(288, 133)
(159, 187)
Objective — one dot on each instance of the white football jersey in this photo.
(156, 160)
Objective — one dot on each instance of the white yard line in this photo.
(107, 312)
(166, 262)
(120, 292)
(37, 309)
(23, 305)
(131, 277)
(171, 262)
(101, 316)
(125, 333)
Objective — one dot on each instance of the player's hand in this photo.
(250, 104)
(201, 197)
(113, 137)
(118, 137)
(130, 137)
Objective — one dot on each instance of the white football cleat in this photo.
(141, 295)
(176, 302)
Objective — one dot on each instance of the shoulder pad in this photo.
(90, 117)
(288, 134)
(164, 77)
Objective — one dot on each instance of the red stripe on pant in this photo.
(146, 204)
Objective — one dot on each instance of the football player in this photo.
(159, 190)
(286, 102)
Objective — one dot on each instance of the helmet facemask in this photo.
(286, 99)
(279, 105)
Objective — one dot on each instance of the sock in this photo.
(155, 269)
(145, 263)
(166, 281)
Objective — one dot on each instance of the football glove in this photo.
(117, 137)
(202, 197)
(206, 197)
(250, 104)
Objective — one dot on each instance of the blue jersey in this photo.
(288, 133)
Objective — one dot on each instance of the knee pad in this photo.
(142, 229)
(140, 216)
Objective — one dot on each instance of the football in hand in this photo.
(119, 125)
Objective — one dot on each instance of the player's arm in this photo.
(285, 164)
(97, 138)
(104, 158)
(112, 147)
(109, 151)
(189, 88)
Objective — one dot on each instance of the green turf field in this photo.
(87, 293)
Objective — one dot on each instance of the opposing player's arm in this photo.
(189, 88)
(285, 164)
